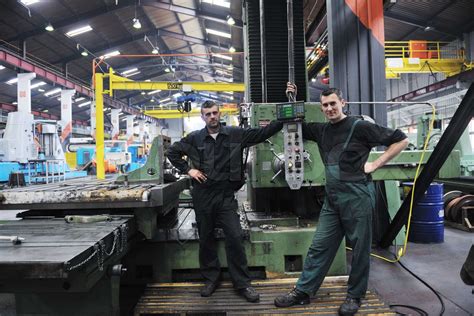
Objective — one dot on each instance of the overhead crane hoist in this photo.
(110, 82)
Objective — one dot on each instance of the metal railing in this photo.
(423, 50)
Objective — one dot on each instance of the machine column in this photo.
(356, 54)
(115, 123)
(66, 117)
(24, 92)
(130, 129)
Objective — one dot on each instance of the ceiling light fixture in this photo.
(153, 92)
(79, 99)
(49, 27)
(220, 3)
(129, 71)
(226, 57)
(132, 74)
(154, 51)
(167, 69)
(84, 53)
(232, 49)
(1, 67)
(39, 84)
(136, 23)
(12, 81)
(51, 92)
(111, 54)
(78, 31)
(230, 20)
(84, 104)
(28, 2)
(218, 33)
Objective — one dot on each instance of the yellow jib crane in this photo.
(120, 83)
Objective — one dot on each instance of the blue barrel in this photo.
(427, 219)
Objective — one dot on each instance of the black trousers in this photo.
(218, 207)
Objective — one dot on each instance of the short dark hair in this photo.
(330, 91)
(208, 104)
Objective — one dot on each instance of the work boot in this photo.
(209, 288)
(250, 294)
(294, 297)
(350, 306)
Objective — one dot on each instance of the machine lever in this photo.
(276, 174)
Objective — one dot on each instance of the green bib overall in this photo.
(347, 211)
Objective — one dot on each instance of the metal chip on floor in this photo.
(184, 299)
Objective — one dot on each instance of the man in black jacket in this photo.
(217, 172)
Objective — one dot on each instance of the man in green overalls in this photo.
(344, 143)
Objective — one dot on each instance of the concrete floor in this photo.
(436, 264)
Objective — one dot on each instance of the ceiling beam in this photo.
(420, 24)
(72, 20)
(140, 36)
(160, 4)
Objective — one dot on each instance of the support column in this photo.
(356, 54)
(114, 118)
(141, 131)
(99, 136)
(130, 129)
(66, 117)
(93, 119)
(24, 92)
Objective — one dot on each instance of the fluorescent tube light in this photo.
(218, 33)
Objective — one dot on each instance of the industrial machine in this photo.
(64, 254)
(119, 155)
(32, 147)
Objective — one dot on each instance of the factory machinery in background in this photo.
(119, 156)
(31, 151)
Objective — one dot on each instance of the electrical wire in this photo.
(417, 309)
(427, 285)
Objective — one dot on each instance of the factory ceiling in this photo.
(65, 35)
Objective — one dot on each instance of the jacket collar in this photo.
(203, 133)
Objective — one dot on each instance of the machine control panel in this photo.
(293, 155)
(290, 111)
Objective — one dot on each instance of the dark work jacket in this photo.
(332, 137)
(219, 159)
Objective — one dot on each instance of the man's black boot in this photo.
(350, 306)
(250, 294)
(294, 297)
(209, 288)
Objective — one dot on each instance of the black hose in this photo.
(427, 285)
(417, 309)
